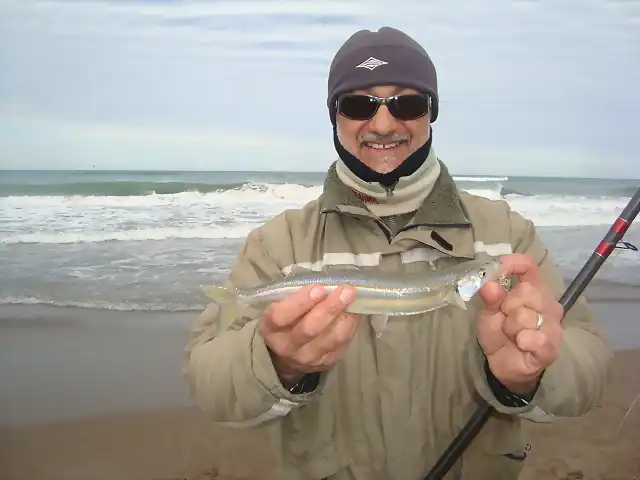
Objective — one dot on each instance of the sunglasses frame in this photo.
(382, 101)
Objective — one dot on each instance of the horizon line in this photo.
(318, 172)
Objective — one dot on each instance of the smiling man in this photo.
(344, 403)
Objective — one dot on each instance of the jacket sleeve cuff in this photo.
(573, 384)
(264, 374)
(492, 391)
(503, 394)
(262, 398)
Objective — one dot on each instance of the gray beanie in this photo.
(385, 57)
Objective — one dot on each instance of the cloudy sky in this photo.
(545, 87)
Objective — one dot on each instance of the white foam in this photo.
(236, 231)
(567, 211)
(491, 194)
(480, 179)
(127, 306)
(231, 213)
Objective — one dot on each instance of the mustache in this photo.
(390, 137)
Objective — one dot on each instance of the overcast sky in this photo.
(527, 87)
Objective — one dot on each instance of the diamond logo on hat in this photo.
(371, 63)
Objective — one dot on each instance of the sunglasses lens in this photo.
(403, 107)
(357, 107)
(409, 107)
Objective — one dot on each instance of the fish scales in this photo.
(377, 293)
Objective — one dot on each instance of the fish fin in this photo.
(337, 269)
(227, 302)
(218, 294)
(326, 269)
(298, 270)
(455, 299)
(379, 322)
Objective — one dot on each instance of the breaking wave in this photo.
(232, 212)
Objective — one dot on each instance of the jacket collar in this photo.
(441, 208)
(439, 222)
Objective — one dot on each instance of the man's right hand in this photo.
(309, 331)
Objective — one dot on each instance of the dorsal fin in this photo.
(295, 270)
(339, 269)
(298, 270)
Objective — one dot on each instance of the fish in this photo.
(378, 294)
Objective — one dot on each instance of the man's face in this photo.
(383, 142)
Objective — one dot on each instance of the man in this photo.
(344, 403)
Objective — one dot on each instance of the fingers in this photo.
(306, 342)
(519, 320)
(505, 315)
(330, 344)
(492, 294)
(319, 318)
(521, 306)
(523, 295)
(523, 266)
(508, 325)
(282, 314)
(538, 344)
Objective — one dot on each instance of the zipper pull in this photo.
(390, 188)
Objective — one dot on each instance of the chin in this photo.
(383, 166)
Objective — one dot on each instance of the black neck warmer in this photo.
(387, 180)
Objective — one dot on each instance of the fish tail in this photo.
(218, 294)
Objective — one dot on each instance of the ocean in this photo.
(124, 240)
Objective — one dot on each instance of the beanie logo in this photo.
(371, 63)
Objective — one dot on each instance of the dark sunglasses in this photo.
(357, 106)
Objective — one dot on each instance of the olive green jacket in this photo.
(392, 405)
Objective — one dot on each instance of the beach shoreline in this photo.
(90, 362)
(86, 388)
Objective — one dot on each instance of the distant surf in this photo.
(146, 240)
(128, 210)
(131, 184)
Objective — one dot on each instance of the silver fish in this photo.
(377, 293)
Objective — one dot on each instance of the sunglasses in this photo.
(363, 107)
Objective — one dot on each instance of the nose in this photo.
(382, 122)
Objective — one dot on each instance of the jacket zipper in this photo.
(385, 230)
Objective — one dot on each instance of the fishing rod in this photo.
(570, 296)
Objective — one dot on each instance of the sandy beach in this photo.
(98, 395)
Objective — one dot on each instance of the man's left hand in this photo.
(520, 331)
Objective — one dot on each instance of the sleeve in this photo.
(576, 381)
(226, 362)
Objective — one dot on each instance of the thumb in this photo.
(492, 294)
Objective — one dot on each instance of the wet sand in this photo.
(98, 395)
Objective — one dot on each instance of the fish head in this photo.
(476, 276)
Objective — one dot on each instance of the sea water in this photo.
(147, 240)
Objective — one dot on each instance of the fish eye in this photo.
(482, 273)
